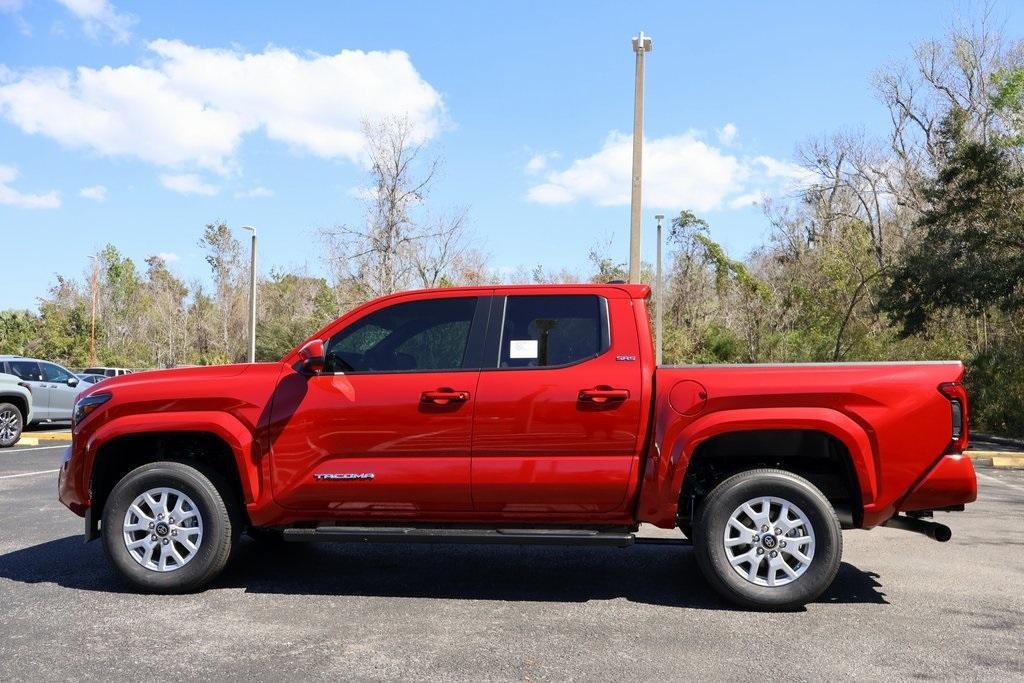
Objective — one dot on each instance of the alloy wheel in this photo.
(163, 529)
(769, 541)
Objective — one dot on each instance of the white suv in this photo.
(107, 372)
(15, 408)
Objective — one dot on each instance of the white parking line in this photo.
(28, 474)
(998, 481)
(39, 448)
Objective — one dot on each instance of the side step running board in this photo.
(353, 534)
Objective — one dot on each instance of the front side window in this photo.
(54, 373)
(426, 335)
(545, 331)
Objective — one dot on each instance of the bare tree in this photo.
(397, 247)
(224, 254)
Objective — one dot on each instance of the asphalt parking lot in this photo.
(902, 607)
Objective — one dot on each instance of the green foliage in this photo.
(291, 308)
(995, 384)
(1008, 102)
(17, 331)
(971, 254)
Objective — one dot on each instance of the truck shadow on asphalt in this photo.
(654, 575)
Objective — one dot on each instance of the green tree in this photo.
(970, 256)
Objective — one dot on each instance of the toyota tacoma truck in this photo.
(519, 414)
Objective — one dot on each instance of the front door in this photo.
(558, 411)
(62, 394)
(386, 428)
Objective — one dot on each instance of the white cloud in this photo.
(727, 133)
(12, 197)
(168, 256)
(188, 183)
(192, 106)
(539, 162)
(255, 193)
(99, 16)
(13, 8)
(681, 171)
(749, 199)
(96, 193)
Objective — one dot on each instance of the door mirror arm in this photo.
(72, 381)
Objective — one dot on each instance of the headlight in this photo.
(87, 405)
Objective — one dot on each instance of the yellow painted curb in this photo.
(27, 441)
(999, 459)
(53, 436)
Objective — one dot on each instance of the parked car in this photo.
(15, 408)
(54, 388)
(517, 415)
(107, 372)
(89, 378)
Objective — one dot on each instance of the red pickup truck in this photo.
(532, 414)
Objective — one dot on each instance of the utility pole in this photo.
(659, 302)
(641, 46)
(92, 334)
(252, 295)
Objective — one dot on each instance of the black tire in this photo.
(16, 422)
(216, 504)
(710, 528)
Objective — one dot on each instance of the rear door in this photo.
(386, 428)
(558, 409)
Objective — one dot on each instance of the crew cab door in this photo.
(386, 427)
(558, 409)
(62, 395)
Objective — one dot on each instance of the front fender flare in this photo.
(225, 426)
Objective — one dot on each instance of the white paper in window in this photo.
(522, 348)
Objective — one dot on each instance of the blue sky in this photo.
(136, 124)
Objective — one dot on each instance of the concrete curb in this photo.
(999, 459)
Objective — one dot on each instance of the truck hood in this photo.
(176, 376)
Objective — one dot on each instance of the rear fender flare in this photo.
(228, 428)
(666, 472)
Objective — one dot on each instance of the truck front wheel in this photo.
(170, 527)
(768, 539)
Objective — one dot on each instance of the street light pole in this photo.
(92, 334)
(252, 295)
(658, 305)
(641, 46)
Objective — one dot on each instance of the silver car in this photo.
(54, 388)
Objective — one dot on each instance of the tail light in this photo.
(959, 420)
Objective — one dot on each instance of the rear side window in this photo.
(426, 335)
(27, 370)
(548, 331)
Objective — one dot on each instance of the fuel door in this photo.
(688, 397)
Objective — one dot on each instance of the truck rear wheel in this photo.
(768, 539)
(170, 527)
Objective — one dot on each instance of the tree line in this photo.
(909, 246)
